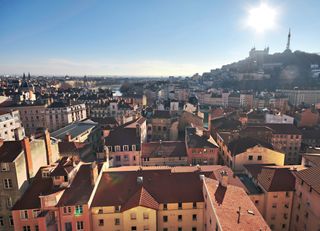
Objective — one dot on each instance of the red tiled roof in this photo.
(141, 198)
(242, 144)
(164, 184)
(117, 188)
(311, 177)
(64, 167)
(226, 202)
(276, 179)
(255, 169)
(80, 190)
(39, 186)
(164, 148)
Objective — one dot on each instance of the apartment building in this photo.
(271, 188)
(124, 142)
(85, 131)
(20, 161)
(247, 150)
(10, 125)
(164, 153)
(135, 198)
(297, 97)
(59, 114)
(201, 147)
(306, 206)
(227, 207)
(160, 198)
(32, 116)
(53, 200)
(285, 138)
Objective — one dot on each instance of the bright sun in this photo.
(262, 18)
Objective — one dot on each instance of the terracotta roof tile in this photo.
(276, 179)
(141, 198)
(226, 202)
(311, 177)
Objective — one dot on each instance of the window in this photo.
(35, 213)
(125, 148)
(179, 217)
(117, 209)
(133, 216)
(287, 194)
(179, 228)
(134, 148)
(26, 228)
(79, 209)
(117, 148)
(259, 157)
(133, 228)
(283, 226)
(24, 214)
(1, 221)
(274, 205)
(250, 157)
(179, 205)
(36, 227)
(256, 202)
(67, 210)
(165, 229)
(4, 167)
(272, 226)
(194, 217)
(194, 229)
(7, 183)
(116, 221)
(165, 218)
(165, 206)
(80, 225)
(101, 222)
(194, 205)
(118, 158)
(145, 228)
(145, 216)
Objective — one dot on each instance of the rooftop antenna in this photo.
(289, 38)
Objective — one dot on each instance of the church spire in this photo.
(289, 38)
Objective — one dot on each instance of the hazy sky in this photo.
(145, 37)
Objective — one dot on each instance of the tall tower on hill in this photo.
(288, 42)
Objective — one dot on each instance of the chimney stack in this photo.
(94, 173)
(28, 158)
(47, 141)
(224, 178)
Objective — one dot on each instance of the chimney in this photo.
(209, 122)
(94, 173)
(48, 146)
(68, 137)
(27, 154)
(224, 178)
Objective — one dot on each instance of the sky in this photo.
(147, 37)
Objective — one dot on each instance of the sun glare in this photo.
(262, 18)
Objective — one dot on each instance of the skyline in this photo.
(127, 38)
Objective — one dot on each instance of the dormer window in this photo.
(4, 167)
(125, 148)
(117, 148)
(134, 147)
